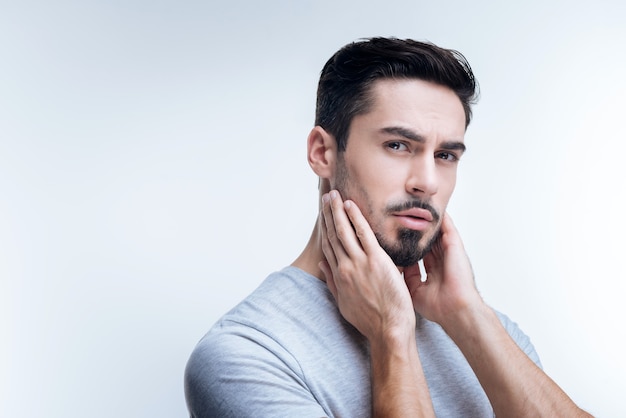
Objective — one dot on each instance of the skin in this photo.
(407, 147)
(403, 151)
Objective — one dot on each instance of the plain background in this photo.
(153, 172)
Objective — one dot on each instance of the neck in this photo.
(309, 258)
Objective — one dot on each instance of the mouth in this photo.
(417, 219)
(417, 214)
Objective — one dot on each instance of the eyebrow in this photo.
(414, 136)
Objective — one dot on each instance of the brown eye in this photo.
(396, 146)
(448, 156)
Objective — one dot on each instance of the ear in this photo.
(322, 152)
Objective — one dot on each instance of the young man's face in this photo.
(400, 163)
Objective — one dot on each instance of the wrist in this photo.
(468, 319)
(395, 338)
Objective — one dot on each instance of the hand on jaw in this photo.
(369, 288)
(449, 292)
(372, 296)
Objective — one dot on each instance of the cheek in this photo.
(379, 181)
(446, 188)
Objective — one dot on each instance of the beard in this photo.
(407, 251)
(407, 248)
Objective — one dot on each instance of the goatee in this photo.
(406, 251)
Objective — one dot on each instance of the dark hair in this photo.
(347, 78)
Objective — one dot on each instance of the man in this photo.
(352, 328)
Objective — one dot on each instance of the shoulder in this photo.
(289, 299)
(255, 359)
(280, 307)
(234, 368)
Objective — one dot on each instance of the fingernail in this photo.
(333, 194)
(325, 198)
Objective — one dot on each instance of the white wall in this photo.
(153, 172)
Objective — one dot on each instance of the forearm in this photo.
(514, 384)
(399, 388)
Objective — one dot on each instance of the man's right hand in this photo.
(367, 286)
(372, 296)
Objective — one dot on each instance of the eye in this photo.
(396, 146)
(448, 156)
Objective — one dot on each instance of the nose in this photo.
(422, 179)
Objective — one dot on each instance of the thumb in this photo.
(413, 275)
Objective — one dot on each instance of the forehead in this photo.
(415, 104)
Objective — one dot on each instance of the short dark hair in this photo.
(348, 76)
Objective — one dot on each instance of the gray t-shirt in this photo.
(286, 351)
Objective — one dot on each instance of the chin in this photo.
(409, 247)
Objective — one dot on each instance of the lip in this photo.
(415, 218)
(416, 213)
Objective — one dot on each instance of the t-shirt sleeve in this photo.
(244, 373)
(522, 340)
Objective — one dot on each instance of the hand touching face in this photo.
(367, 286)
(400, 163)
(372, 293)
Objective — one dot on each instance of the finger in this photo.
(327, 248)
(330, 280)
(362, 229)
(413, 277)
(432, 264)
(437, 251)
(412, 272)
(331, 233)
(343, 226)
(449, 233)
(447, 244)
